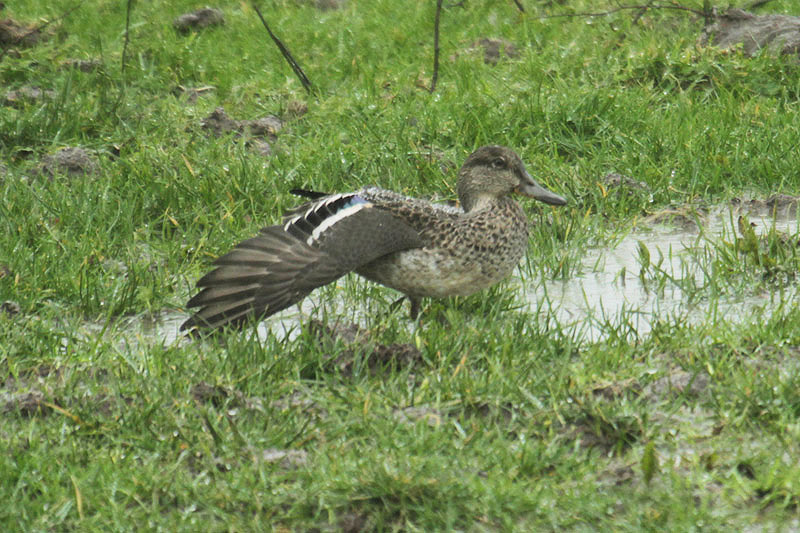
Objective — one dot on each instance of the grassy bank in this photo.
(491, 414)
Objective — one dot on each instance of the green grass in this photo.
(502, 417)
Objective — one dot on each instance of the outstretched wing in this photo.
(279, 267)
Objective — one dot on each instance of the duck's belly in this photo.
(425, 272)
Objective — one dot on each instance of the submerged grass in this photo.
(492, 414)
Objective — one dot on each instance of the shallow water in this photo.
(286, 324)
(609, 297)
(606, 297)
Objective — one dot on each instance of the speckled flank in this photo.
(471, 252)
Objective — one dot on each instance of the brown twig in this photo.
(623, 8)
(708, 13)
(39, 28)
(286, 54)
(519, 6)
(757, 4)
(127, 34)
(436, 45)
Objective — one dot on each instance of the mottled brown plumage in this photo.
(416, 247)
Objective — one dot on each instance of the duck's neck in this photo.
(487, 202)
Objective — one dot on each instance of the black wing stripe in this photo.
(320, 215)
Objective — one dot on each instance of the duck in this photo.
(419, 248)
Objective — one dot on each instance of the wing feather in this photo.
(283, 264)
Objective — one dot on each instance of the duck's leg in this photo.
(415, 304)
(414, 307)
(397, 303)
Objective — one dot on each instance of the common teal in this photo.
(417, 247)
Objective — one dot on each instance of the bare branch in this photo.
(519, 5)
(623, 8)
(129, 7)
(757, 4)
(436, 45)
(286, 54)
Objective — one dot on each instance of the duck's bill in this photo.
(536, 191)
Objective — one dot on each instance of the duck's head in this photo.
(492, 172)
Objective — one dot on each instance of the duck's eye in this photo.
(499, 163)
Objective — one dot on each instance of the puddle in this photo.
(165, 327)
(609, 297)
(606, 298)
